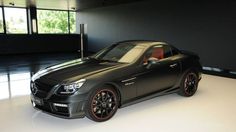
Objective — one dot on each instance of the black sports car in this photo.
(124, 73)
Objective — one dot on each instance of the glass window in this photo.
(167, 51)
(15, 23)
(123, 53)
(72, 22)
(1, 21)
(174, 51)
(159, 52)
(52, 21)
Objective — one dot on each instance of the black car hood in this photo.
(74, 70)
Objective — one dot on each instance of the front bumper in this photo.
(199, 76)
(60, 108)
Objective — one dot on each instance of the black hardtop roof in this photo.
(143, 42)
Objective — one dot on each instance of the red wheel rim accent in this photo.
(190, 84)
(103, 104)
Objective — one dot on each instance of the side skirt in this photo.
(144, 98)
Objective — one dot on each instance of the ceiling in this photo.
(48, 4)
(63, 4)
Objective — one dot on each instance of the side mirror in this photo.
(152, 61)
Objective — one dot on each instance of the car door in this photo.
(160, 76)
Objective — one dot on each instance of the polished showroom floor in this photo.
(212, 109)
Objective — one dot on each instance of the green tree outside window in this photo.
(72, 22)
(55, 21)
(1, 21)
(15, 24)
(52, 21)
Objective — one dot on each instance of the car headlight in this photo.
(72, 87)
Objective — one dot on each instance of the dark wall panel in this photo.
(207, 28)
(14, 44)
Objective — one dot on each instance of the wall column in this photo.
(32, 20)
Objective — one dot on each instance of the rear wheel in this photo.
(189, 84)
(102, 104)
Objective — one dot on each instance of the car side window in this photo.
(167, 51)
(159, 52)
(174, 51)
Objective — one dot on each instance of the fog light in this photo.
(60, 105)
(33, 104)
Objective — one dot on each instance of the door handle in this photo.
(173, 65)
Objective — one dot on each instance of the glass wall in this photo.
(15, 24)
(1, 21)
(50, 21)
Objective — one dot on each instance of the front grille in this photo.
(41, 94)
(40, 89)
(63, 110)
(42, 86)
(45, 107)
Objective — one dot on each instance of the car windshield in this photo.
(123, 53)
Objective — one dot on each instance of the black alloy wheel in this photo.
(103, 104)
(189, 84)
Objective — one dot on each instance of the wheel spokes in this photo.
(190, 84)
(104, 103)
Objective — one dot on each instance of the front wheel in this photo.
(189, 84)
(102, 104)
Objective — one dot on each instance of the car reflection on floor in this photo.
(13, 85)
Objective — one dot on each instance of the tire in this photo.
(189, 84)
(102, 104)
